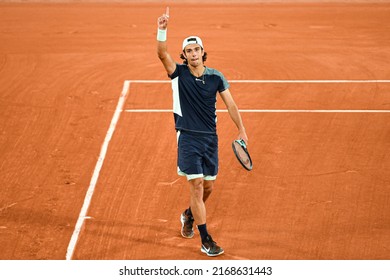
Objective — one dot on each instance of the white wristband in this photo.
(161, 35)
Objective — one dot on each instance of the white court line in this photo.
(310, 81)
(277, 81)
(263, 111)
(98, 167)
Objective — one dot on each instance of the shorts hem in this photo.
(196, 176)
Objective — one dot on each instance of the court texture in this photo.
(88, 146)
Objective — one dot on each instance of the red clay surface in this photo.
(320, 187)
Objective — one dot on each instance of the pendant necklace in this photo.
(199, 78)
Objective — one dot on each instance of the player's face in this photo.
(193, 53)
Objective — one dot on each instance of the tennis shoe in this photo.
(187, 225)
(210, 247)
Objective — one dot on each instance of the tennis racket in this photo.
(242, 154)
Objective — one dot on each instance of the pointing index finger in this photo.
(167, 12)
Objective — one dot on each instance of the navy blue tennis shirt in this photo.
(195, 98)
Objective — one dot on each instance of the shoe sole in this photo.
(209, 254)
(182, 219)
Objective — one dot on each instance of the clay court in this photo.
(86, 121)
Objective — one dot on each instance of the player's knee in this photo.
(197, 188)
(197, 183)
(208, 187)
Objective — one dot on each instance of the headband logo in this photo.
(192, 39)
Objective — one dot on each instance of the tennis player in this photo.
(195, 88)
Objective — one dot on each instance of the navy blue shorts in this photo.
(197, 155)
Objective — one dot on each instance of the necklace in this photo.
(199, 78)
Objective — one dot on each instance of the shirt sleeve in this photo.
(175, 73)
(223, 83)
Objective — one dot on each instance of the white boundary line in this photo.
(98, 167)
(310, 81)
(263, 111)
(277, 81)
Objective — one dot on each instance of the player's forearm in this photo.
(164, 56)
(162, 50)
(236, 117)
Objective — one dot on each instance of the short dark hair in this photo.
(204, 58)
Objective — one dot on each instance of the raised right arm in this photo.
(162, 50)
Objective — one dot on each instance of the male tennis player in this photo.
(195, 89)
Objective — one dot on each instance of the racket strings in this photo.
(243, 156)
